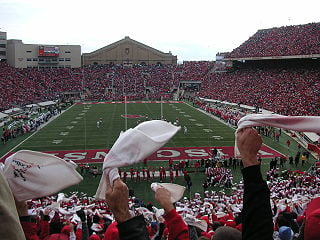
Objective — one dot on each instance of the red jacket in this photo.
(178, 230)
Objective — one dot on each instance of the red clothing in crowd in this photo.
(177, 228)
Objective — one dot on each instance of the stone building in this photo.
(128, 51)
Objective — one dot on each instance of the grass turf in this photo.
(76, 129)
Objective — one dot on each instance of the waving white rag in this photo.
(176, 190)
(133, 146)
(297, 123)
(33, 174)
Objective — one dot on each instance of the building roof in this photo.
(128, 40)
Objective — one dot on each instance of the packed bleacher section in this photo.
(23, 86)
(282, 41)
(292, 91)
(290, 194)
(284, 91)
(20, 87)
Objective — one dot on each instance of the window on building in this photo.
(2, 45)
(68, 66)
(3, 53)
(54, 60)
(68, 59)
(61, 59)
(29, 59)
(29, 51)
(68, 51)
(41, 60)
(35, 59)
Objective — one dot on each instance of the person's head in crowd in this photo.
(285, 233)
(227, 233)
(96, 219)
(215, 225)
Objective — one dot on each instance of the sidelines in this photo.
(218, 119)
(117, 102)
(3, 157)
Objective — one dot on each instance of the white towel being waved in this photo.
(33, 174)
(176, 190)
(296, 123)
(132, 146)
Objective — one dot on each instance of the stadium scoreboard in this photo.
(48, 51)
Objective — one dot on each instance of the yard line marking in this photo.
(217, 137)
(199, 124)
(57, 141)
(64, 133)
(78, 118)
(74, 122)
(192, 120)
(69, 127)
(207, 130)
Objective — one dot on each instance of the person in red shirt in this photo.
(176, 167)
(177, 228)
(144, 174)
(164, 173)
(288, 143)
(137, 175)
(132, 172)
(171, 175)
(161, 174)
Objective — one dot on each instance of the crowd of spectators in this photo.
(284, 90)
(77, 214)
(27, 121)
(19, 87)
(287, 92)
(282, 41)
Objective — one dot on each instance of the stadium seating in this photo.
(283, 41)
(288, 92)
(285, 91)
(216, 208)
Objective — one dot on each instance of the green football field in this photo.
(76, 129)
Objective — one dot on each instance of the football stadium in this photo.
(68, 110)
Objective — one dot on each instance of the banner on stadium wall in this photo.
(163, 154)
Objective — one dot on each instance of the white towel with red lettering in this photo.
(132, 146)
(33, 174)
(296, 123)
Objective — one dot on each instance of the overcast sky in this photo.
(192, 30)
